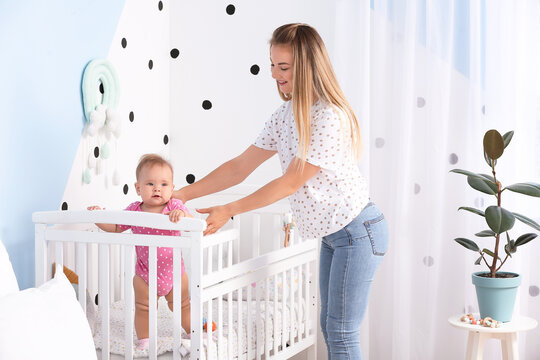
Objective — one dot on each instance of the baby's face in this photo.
(155, 184)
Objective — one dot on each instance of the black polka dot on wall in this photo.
(125, 189)
(175, 53)
(379, 142)
(254, 69)
(428, 261)
(150, 64)
(417, 188)
(131, 116)
(207, 105)
(534, 290)
(190, 178)
(420, 102)
(124, 43)
(230, 9)
(96, 152)
(101, 90)
(64, 206)
(160, 5)
(453, 159)
(484, 110)
(165, 139)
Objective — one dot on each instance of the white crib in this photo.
(223, 279)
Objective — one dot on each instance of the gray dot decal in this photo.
(484, 109)
(420, 102)
(379, 142)
(533, 290)
(416, 188)
(428, 261)
(453, 159)
(479, 202)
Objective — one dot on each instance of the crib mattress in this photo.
(165, 341)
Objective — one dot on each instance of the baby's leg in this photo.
(141, 307)
(186, 305)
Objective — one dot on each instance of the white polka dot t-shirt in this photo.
(334, 196)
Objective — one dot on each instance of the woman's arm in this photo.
(228, 174)
(277, 189)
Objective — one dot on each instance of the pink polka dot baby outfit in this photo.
(164, 254)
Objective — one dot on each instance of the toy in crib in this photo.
(487, 321)
(288, 225)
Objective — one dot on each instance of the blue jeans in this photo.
(349, 258)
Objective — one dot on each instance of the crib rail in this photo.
(235, 284)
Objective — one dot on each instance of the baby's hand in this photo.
(95, 207)
(176, 215)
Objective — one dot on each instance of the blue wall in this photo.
(44, 47)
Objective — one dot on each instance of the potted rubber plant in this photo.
(495, 289)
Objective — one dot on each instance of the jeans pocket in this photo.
(377, 230)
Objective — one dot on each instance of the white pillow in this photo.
(8, 281)
(45, 323)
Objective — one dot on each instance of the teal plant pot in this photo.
(496, 296)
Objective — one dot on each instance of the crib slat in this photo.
(236, 253)
(152, 302)
(129, 268)
(306, 300)
(299, 303)
(40, 250)
(239, 315)
(283, 310)
(266, 341)
(229, 304)
(209, 328)
(104, 299)
(275, 317)
(177, 302)
(220, 325)
(59, 257)
(249, 324)
(210, 260)
(195, 292)
(81, 270)
(258, 322)
(291, 308)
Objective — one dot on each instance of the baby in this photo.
(154, 186)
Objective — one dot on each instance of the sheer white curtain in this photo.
(428, 78)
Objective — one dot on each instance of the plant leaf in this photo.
(469, 244)
(473, 210)
(490, 253)
(507, 137)
(482, 185)
(478, 261)
(488, 160)
(527, 221)
(525, 238)
(468, 173)
(493, 144)
(531, 189)
(485, 233)
(499, 219)
(507, 250)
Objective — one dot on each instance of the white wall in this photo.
(143, 92)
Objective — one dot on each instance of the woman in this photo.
(316, 135)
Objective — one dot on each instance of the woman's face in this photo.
(281, 64)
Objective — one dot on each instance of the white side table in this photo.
(506, 333)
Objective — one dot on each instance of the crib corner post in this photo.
(40, 252)
(195, 291)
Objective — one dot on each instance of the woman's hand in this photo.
(217, 217)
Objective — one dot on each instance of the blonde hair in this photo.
(313, 75)
(151, 160)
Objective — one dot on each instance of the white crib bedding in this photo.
(165, 341)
